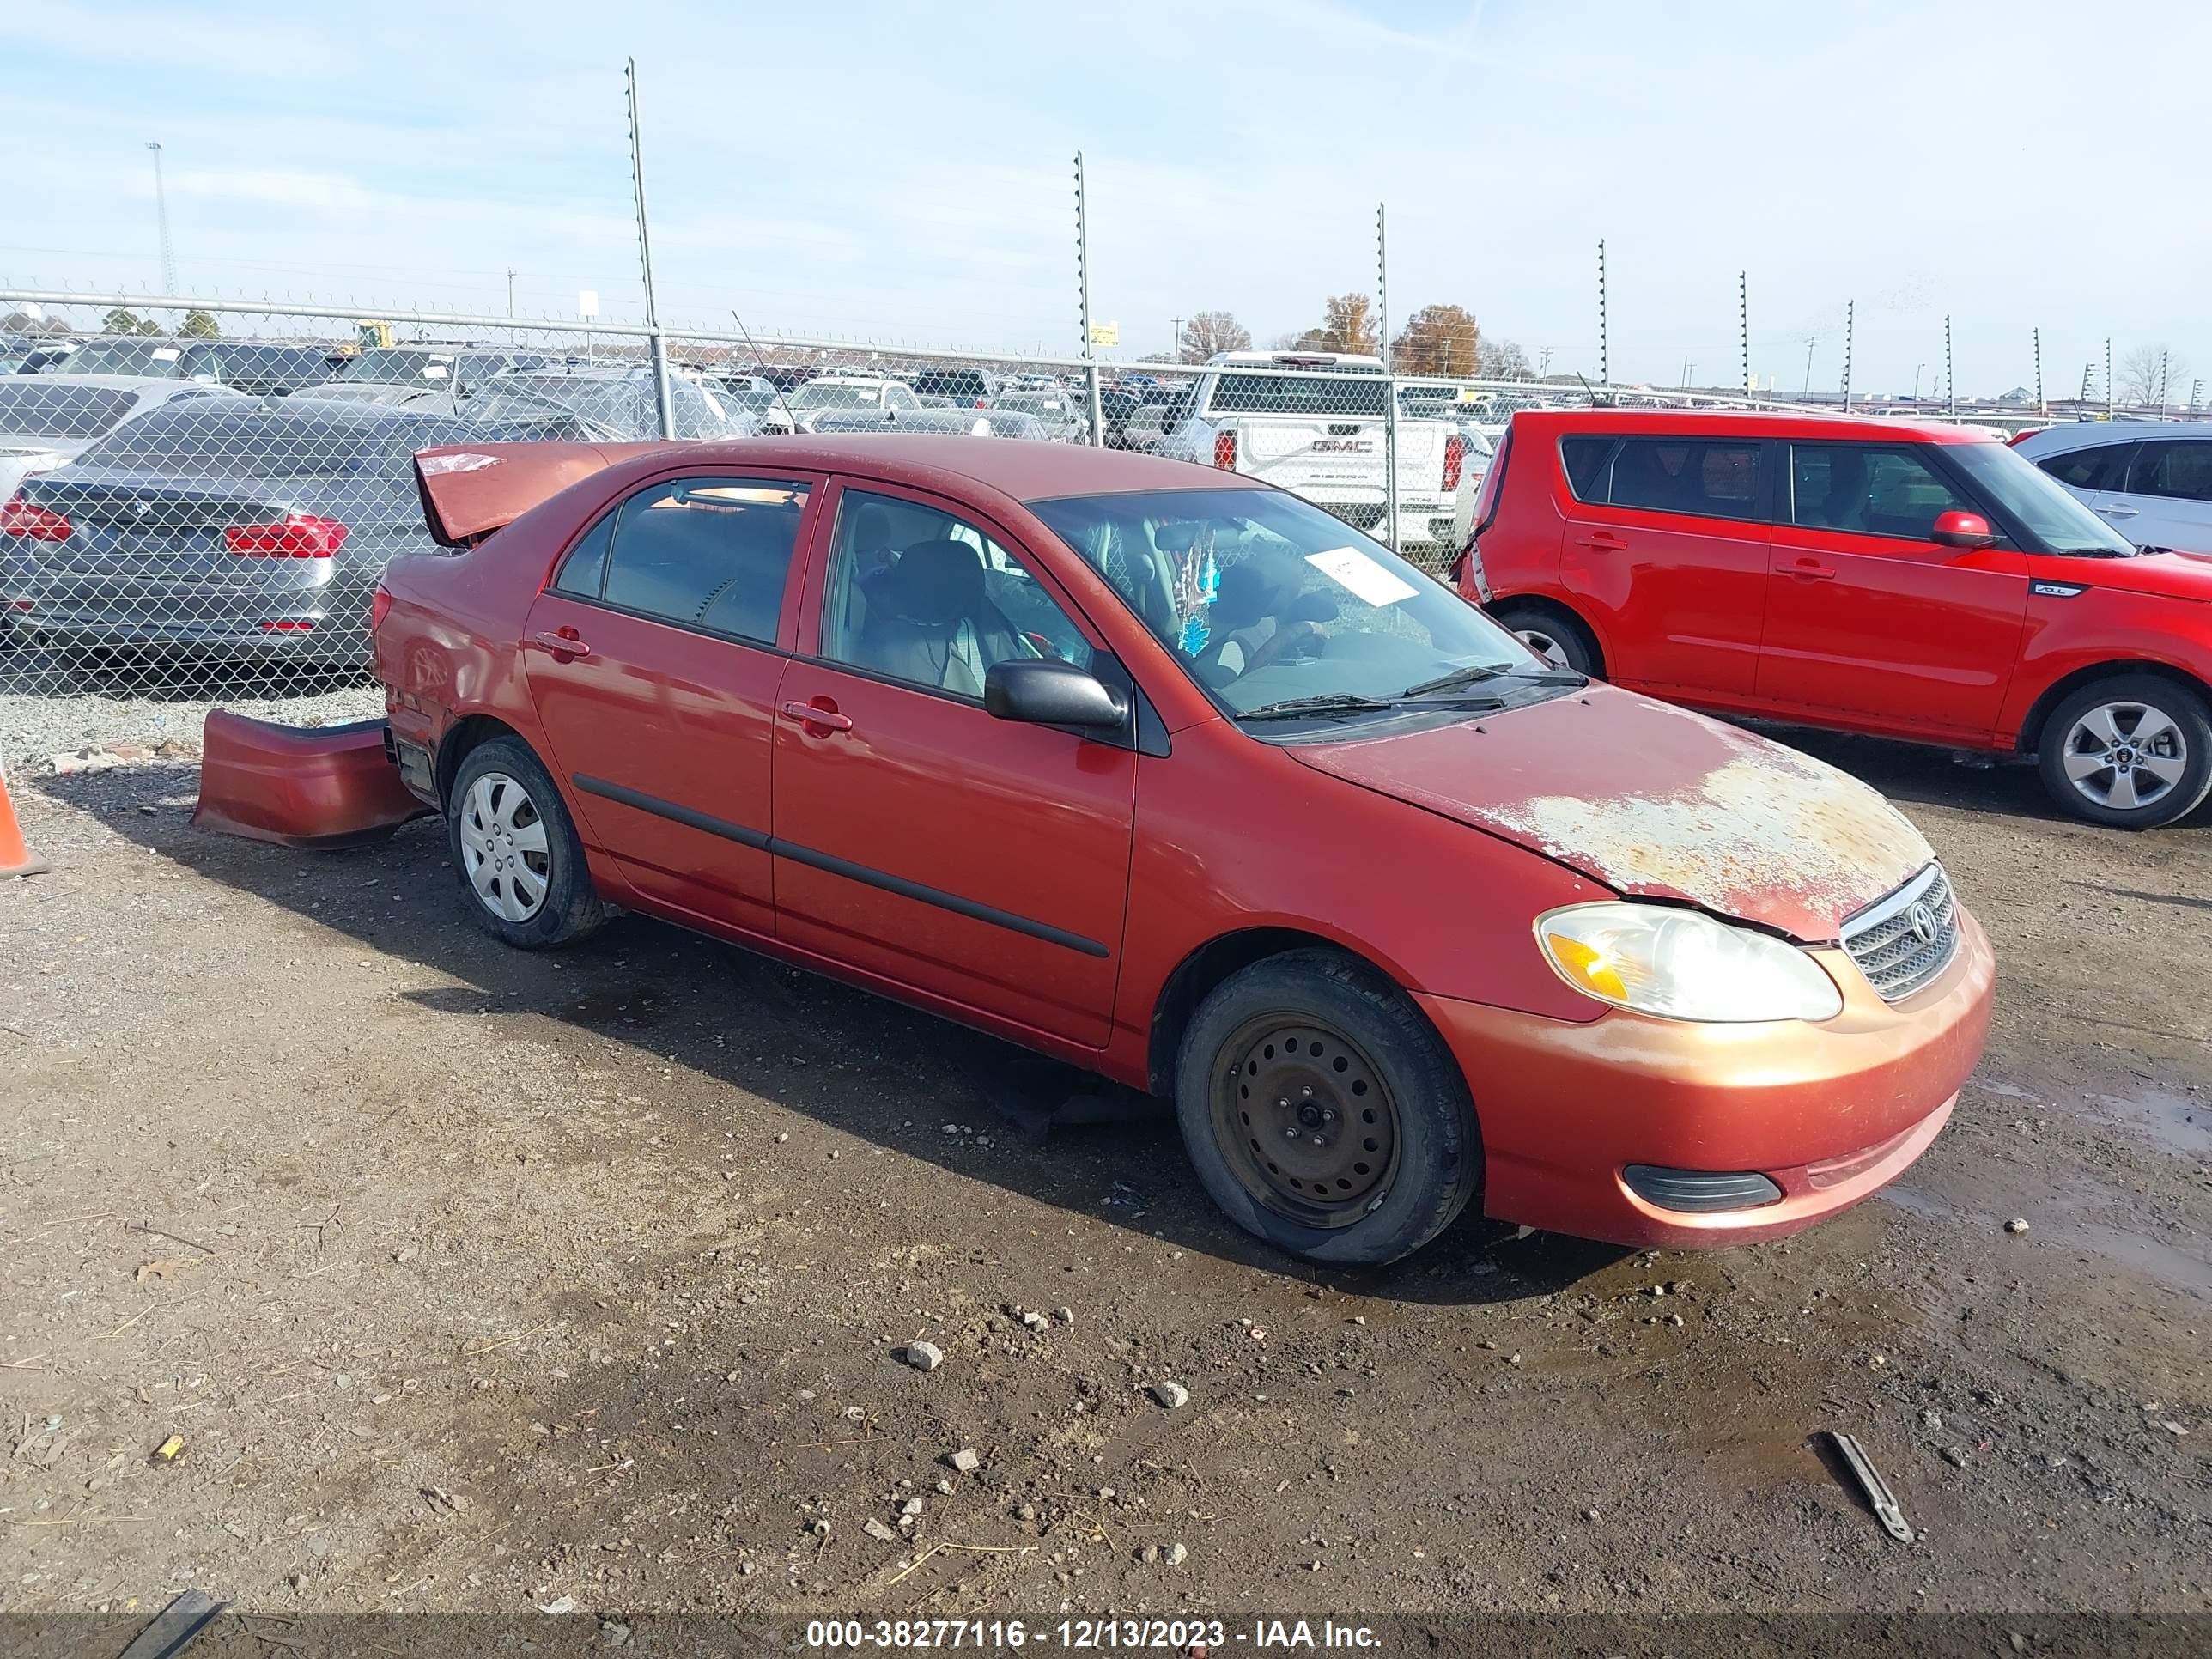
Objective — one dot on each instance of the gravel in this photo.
(32, 728)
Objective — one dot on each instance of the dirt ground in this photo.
(478, 1279)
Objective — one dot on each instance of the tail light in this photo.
(1454, 458)
(295, 536)
(982, 403)
(27, 519)
(379, 606)
(1225, 450)
(289, 625)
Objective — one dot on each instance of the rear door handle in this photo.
(1812, 571)
(560, 645)
(807, 714)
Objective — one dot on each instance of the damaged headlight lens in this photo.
(1682, 964)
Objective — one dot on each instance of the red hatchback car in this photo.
(1175, 776)
(1901, 579)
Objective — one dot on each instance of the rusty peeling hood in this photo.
(1654, 801)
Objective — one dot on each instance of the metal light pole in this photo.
(1604, 345)
(1850, 307)
(1810, 342)
(645, 261)
(1917, 367)
(162, 219)
(1390, 382)
(1083, 286)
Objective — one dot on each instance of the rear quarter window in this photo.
(1582, 460)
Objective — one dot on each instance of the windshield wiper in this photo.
(1328, 702)
(1481, 672)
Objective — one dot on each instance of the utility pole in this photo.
(2041, 407)
(162, 220)
(1850, 307)
(1950, 376)
(1082, 290)
(1743, 326)
(1390, 382)
(1543, 360)
(662, 396)
(1604, 344)
(1178, 339)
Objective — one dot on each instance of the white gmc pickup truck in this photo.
(1319, 434)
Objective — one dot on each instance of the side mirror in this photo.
(1041, 692)
(1957, 529)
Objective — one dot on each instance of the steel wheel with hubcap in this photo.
(2134, 751)
(516, 852)
(1323, 1113)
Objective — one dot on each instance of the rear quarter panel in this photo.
(1521, 548)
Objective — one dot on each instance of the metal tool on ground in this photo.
(1872, 1486)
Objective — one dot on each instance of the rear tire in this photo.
(1323, 1113)
(517, 853)
(1556, 637)
(2133, 751)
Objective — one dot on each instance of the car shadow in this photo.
(809, 1044)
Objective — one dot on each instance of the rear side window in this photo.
(583, 572)
(2179, 468)
(1584, 461)
(1354, 396)
(1712, 478)
(1874, 492)
(710, 554)
(2098, 467)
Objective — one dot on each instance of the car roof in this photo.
(1025, 472)
(2079, 434)
(1744, 423)
(167, 384)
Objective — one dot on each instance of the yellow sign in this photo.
(1106, 334)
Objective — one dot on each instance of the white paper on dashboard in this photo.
(1350, 568)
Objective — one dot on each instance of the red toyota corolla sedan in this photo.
(1173, 775)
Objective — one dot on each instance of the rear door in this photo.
(1866, 616)
(653, 661)
(1666, 553)
(2167, 501)
(917, 838)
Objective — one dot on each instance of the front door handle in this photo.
(562, 644)
(2119, 512)
(812, 714)
(1603, 541)
(1812, 571)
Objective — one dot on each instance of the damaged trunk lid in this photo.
(1655, 802)
(469, 490)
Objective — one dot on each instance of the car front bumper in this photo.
(1827, 1113)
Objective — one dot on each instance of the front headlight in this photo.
(1681, 964)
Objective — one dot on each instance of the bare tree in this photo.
(1308, 339)
(1502, 359)
(1211, 331)
(1440, 340)
(2144, 375)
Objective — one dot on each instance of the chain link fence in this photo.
(199, 508)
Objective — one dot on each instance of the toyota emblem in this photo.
(1923, 923)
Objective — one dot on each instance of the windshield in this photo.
(2044, 509)
(818, 394)
(399, 363)
(124, 357)
(1265, 598)
(41, 408)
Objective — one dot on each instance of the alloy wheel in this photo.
(1545, 644)
(504, 850)
(1305, 1121)
(2124, 755)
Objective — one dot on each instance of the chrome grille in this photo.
(1893, 951)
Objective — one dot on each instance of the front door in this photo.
(1670, 560)
(1866, 616)
(654, 662)
(917, 838)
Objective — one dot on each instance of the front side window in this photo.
(2051, 521)
(1266, 600)
(1711, 477)
(919, 595)
(1868, 491)
(709, 553)
(2178, 467)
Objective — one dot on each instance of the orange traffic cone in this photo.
(17, 859)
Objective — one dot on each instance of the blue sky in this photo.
(902, 172)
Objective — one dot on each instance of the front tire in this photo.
(520, 860)
(1559, 639)
(1323, 1113)
(2134, 751)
